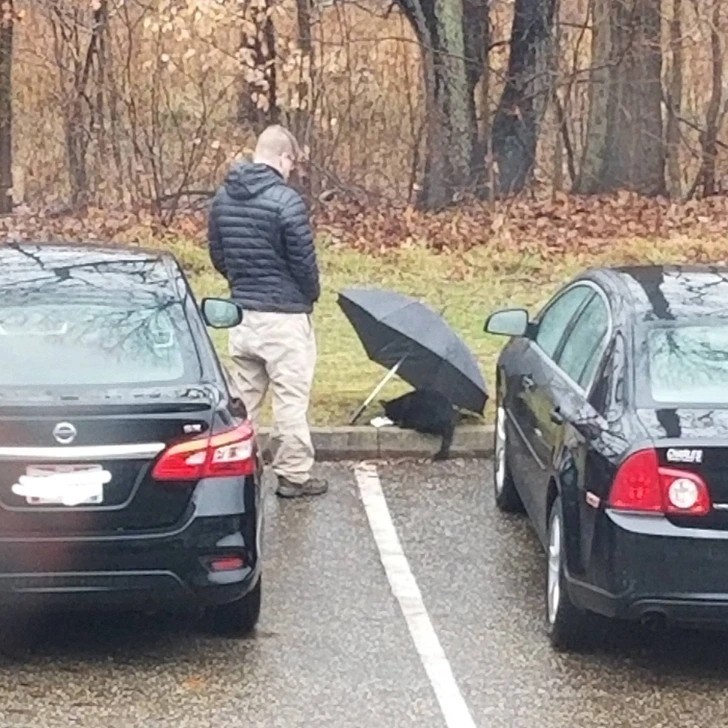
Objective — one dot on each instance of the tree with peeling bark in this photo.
(624, 146)
(7, 22)
(452, 36)
(526, 94)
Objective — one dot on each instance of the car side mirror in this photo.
(509, 322)
(221, 313)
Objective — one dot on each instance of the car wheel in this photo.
(569, 628)
(506, 495)
(240, 617)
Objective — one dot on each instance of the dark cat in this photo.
(426, 411)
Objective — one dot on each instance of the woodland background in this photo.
(608, 115)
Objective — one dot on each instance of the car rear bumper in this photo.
(142, 572)
(687, 609)
(646, 567)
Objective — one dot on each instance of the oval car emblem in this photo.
(65, 433)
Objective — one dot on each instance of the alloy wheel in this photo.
(554, 568)
(500, 450)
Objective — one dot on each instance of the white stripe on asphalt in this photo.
(405, 589)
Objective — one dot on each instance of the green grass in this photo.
(469, 286)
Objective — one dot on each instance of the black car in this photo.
(612, 434)
(129, 476)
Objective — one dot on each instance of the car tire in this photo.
(506, 495)
(570, 629)
(240, 617)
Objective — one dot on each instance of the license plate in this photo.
(62, 485)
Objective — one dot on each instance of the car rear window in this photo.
(688, 364)
(110, 324)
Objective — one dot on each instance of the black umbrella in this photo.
(410, 339)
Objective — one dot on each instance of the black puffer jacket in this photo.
(261, 241)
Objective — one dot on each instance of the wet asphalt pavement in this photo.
(333, 650)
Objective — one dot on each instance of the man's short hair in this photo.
(276, 140)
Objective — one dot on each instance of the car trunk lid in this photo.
(694, 440)
(93, 476)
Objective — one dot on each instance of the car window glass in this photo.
(98, 344)
(688, 363)
(556, 317)
(110, 323)
(579, 355)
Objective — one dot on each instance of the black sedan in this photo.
(129, 476)
(612, 435)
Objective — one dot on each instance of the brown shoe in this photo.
(313, 486)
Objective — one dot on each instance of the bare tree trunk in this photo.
(709, 138)
(476, 34)
(98, 125)
(78, 62)
(449, 18)
(672, 133)
(76, 151)
(557, 178)
(6, 108)
(435, 190)
(526, 94)
(624, 142)
(258, 104)
(300, 118)
(486, 129)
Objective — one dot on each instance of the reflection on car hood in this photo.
(200, 396)
(689, 423)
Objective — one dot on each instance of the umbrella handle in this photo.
(389, 375)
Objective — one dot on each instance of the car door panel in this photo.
(538, 404)
(516, 372)
(608, 440)
(534, 413)
(556, 395)
(526, 383)
(576, 426)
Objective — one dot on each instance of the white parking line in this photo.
(405, 589)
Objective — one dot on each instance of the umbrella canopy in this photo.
(400, 331)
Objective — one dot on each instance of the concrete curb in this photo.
(370, 443)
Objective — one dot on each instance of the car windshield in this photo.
(109, 324)
(689, 363)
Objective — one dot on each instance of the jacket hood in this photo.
(247, 180)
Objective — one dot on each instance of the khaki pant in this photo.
(277, 351)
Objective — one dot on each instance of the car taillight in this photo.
(643, 486)
(229, 453)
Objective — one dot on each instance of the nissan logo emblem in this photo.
(65, 433)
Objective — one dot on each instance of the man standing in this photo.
(261, 242)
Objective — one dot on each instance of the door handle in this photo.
(556, 417)
(528, 383)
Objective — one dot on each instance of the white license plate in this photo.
(63, 485)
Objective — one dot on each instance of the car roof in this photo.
(86, 269)
(668, 292)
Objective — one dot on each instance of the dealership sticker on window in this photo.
(680, 455)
